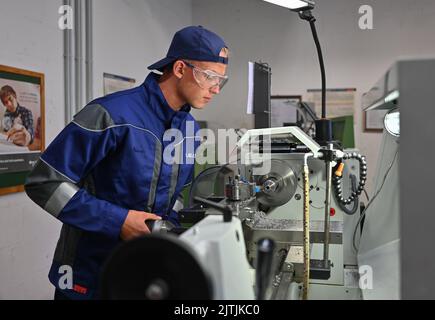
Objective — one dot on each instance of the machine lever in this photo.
(227, 212)
(265, 251)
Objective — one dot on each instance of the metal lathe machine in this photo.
(269, 226)
(288, 222)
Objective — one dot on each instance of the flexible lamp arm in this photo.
(308, 16)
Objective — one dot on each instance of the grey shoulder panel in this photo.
(49, 189)
(94, 117)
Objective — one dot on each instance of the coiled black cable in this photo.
(363, 178)
(346, 210)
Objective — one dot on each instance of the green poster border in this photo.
(19, 77)
(13, 179)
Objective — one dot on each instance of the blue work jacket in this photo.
(108, 160)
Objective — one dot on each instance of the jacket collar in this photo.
(158, 101)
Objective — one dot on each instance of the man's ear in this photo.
(178, 69)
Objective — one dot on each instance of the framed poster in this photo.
(22, 125)
(374, 120)
(340, 102)
(284, 111)
(114, 83)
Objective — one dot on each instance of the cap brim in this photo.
(160, 65)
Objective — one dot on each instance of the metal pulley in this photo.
(278, 186)
(149, 268)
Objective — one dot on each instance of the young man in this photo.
(106, 174)
(17, 120)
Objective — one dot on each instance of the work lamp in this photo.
(304, 7)
(294, 5)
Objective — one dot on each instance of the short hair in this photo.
(7, 91)
(169, 67)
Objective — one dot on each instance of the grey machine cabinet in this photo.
(398, 235)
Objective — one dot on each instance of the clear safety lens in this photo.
(207, 79)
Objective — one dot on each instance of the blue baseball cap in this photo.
(193, 43)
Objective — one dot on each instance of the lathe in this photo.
(268, 226)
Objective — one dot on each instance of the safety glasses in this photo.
(207, 79)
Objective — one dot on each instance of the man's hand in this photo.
(20, 137)
(134, 225)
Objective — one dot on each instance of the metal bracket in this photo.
(294, 131)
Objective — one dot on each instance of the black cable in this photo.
(342, 206)
(307, 15)
(363, 214)
(367, 195)
(206, 172)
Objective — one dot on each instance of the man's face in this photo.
(196, 92)
(10, 102)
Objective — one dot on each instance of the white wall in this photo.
(255, 30)
(129, 35)
(30, 40)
